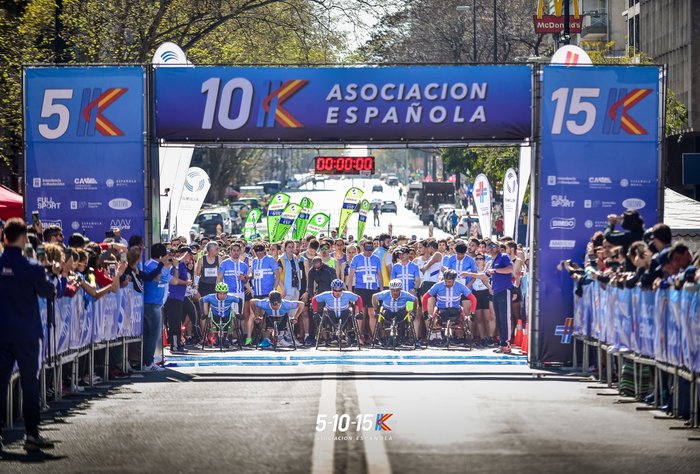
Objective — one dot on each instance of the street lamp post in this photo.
(464, 8)
(495, 32)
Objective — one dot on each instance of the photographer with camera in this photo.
(21, 284)
(156, 278)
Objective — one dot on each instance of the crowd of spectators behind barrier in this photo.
(637, 258)
(634, 257)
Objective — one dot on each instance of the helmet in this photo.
(275, 297)
(395, 284)
(221, 287)
(337, 284)
(449, 275)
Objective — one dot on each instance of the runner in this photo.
(220, 306)
(395, 302)
(366, 276)
(280, 309)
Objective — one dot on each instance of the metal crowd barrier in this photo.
(83, 327)
(659, 329)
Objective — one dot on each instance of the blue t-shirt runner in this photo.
(449, 297)
(230, 271)
(406, 273)
(340, 304)
(501, 281)
(466, 264)
(221, 308)
(366, 270)
(284, 308)
(395, 305)
(263, 270)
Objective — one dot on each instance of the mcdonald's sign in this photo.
(555, 23)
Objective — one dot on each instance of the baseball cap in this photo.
(663, 257)
(184, 248)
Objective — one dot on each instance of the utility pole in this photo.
(495, 32)
(567, 26)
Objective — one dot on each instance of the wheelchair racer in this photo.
(337, 302)
(220, 305)
(279, 309)
(395, 301)
(446, 298)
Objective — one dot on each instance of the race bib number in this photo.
(258, 274)
(210, 272)
(368, 278)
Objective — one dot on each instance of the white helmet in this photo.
(395, 284)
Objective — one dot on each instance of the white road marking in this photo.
(375, 451)
(322, 454)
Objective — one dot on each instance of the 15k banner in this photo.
(289, 215)
(318, 223)
(510, 202)
(600, 156)
(234, 104)
(362, 218)
(482, 202)
(274, 210)
(303, 219)
(84, 130)
(352, 199)
(250, 231)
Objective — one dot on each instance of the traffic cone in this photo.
(165, 338)
(525, 343)
(518, 339)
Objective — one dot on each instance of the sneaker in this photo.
(418, 344)
(182, 350)
(153, 368)
(95, 379)
(36, 443)
(264, 344)
(117, 373)
(175, 350)
(285, 340)
(309, 341)
(249, 342)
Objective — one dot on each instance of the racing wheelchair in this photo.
(396, 327)
(273, 324)
(342, 328)
(446, 322)
(221, 327)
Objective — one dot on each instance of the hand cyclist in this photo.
(277, 308)
(445, 299)
(220, 306)
(337, 302)
(394, 301)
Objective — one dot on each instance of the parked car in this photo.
(464, 226)
(375, 202)
(392, 180)
(377, 188)
(389, 206)
(293, 183)
(209, 218)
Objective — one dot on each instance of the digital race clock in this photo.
(363, 165)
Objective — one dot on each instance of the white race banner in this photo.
(482, 200)
(510, 202)
(523, 178)
(197, 186)
(174, 161)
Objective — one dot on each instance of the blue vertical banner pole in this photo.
(84, 134)
(599, 148)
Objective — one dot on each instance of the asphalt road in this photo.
(251, 413)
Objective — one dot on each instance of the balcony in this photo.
(595, 26)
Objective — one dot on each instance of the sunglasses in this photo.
(325, 248)
(478, 258)
(259, 250)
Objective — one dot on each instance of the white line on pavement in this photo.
(375, 451)
(322, 454)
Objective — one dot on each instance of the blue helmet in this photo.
(337, 284)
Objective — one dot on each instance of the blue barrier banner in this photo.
(623, 317)
(660, 323)
(694, 333)
(378, 104)
(647, 322)
(674, 352)
(85, 148)
(600, 135)
(686, 329)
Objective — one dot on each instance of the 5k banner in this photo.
(453, 103)
(600, 155)
(85, 148)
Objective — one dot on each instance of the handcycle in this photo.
(221, 327)
(399, 329)
(456, 319)
(341, 328)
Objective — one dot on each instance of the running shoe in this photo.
(264, 344)
(152, 368)
(36, 443)
(309, 341)
(249, 342)
(285, 341)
